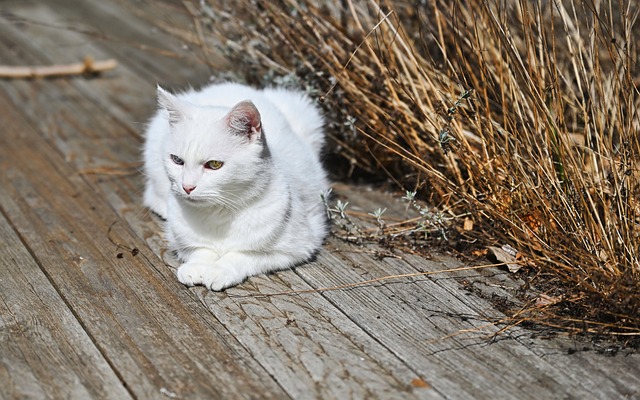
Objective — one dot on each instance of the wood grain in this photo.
(44, 350)
(145, 325)
(345, 374)
(333, 357)
(69, 151)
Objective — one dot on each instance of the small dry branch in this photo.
(87, 67)
(370, 281)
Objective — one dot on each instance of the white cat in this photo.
(236, 174)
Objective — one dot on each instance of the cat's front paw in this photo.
(192, 273)
(222, 275)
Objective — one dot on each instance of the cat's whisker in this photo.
(227, 203)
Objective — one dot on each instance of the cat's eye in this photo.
(177, 160)
(213, 164)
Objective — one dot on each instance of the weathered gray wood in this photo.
(373, 382)
(369, 341)
(144, 324)
(325, 353)
(44, 351)
(337, 373)
(422, 324)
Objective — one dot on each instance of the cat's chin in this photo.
(198, 202)
(191, 200)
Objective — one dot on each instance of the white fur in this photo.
(262, 210)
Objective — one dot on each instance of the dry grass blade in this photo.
(523, 115)
(370, 281)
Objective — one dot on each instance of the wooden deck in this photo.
(90, 307)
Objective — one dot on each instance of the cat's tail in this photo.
(303, 116)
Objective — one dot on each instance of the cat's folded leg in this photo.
(234, 267)
(229, 270)
(198, 265)
(155, 201)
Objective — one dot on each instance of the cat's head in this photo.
(214, 155)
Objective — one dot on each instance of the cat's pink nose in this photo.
(188, 188)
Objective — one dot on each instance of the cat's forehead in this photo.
(203, 112)
(204, 136)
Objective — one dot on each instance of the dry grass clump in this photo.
(522, 115)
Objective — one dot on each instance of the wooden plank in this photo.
(355, 375)
(308, 370)
(122, 27)
(415, 319)
(44, 351)
(310, 347)
(588, 367)
(572, 363)
(263, 327)
(150, 330)
(62, 31)
(607, 373)
(116, 104)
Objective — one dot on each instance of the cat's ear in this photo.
(244, 119)
(174, 107)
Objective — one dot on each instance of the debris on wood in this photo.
(468, 224)
(420, 383)
(480, 252)
(545, 300)
(87, 67)
(507, 255)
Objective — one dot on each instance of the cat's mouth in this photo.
(191, 199)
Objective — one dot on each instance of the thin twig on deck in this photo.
(86, 67)
(370, 281)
